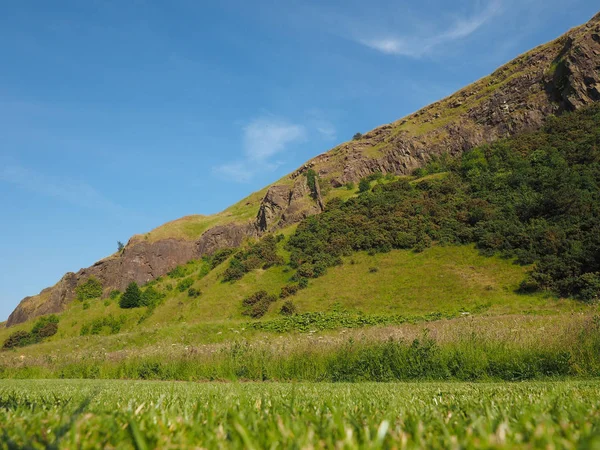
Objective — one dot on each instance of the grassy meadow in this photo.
(144, 415)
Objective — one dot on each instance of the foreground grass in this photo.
(125, 414)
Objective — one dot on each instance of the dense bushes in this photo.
(535, 197)
(257, 304)
(185, 284)
(103, 325)
(288, 290)
(44, 328)
(17, 339)
(219, 257)
(151, 297)
(262, 254)
(91, 288)
(393, 215)
(133, 297)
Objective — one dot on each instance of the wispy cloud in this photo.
(262, 140)
(319, 121)
(417, 46)
(266, 136)
(73, 192)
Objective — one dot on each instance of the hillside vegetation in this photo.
(508, 228)
(534, 197)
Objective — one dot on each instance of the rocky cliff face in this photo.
(562, 75)
(559, 76)
(284, 204)
(139, 261)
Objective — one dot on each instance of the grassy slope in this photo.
(449, 280)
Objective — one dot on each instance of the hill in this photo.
(495, 249)
(551, 79)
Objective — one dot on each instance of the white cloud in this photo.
(263, 139)
(74, 192)
(417, 46)
(237, 171)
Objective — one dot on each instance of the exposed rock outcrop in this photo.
(559, 76)
(140, 261)
(284, 204)
(562, 75)
(224, 236)
(50, 300)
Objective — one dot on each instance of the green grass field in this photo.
(144, 415)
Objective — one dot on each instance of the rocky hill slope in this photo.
(558, 76)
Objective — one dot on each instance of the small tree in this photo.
(364, 185)
(132, 297)
(120, 246)
(311, 179)
(357, 136)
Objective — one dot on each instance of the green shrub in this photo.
(132, 297)
(42, 322)
(185, 284)
(357, 136)
(257, 304)
(114, 294)
(302, 283)
(103, 325)
(364, 185)
(151, 297)
(48, 330)
(86, 305)
(588, 286)
(194, 293)
(419, 172)
(43, 328)
(350, 186)
(288, 308)
(18, 339)
(375, 176)
(90, 289)
(262, 254)
(178, 272)
(289, 290)
(220, 256)
(312, 180)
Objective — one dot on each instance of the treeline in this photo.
(534, 197)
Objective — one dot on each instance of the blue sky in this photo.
(117, 116)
